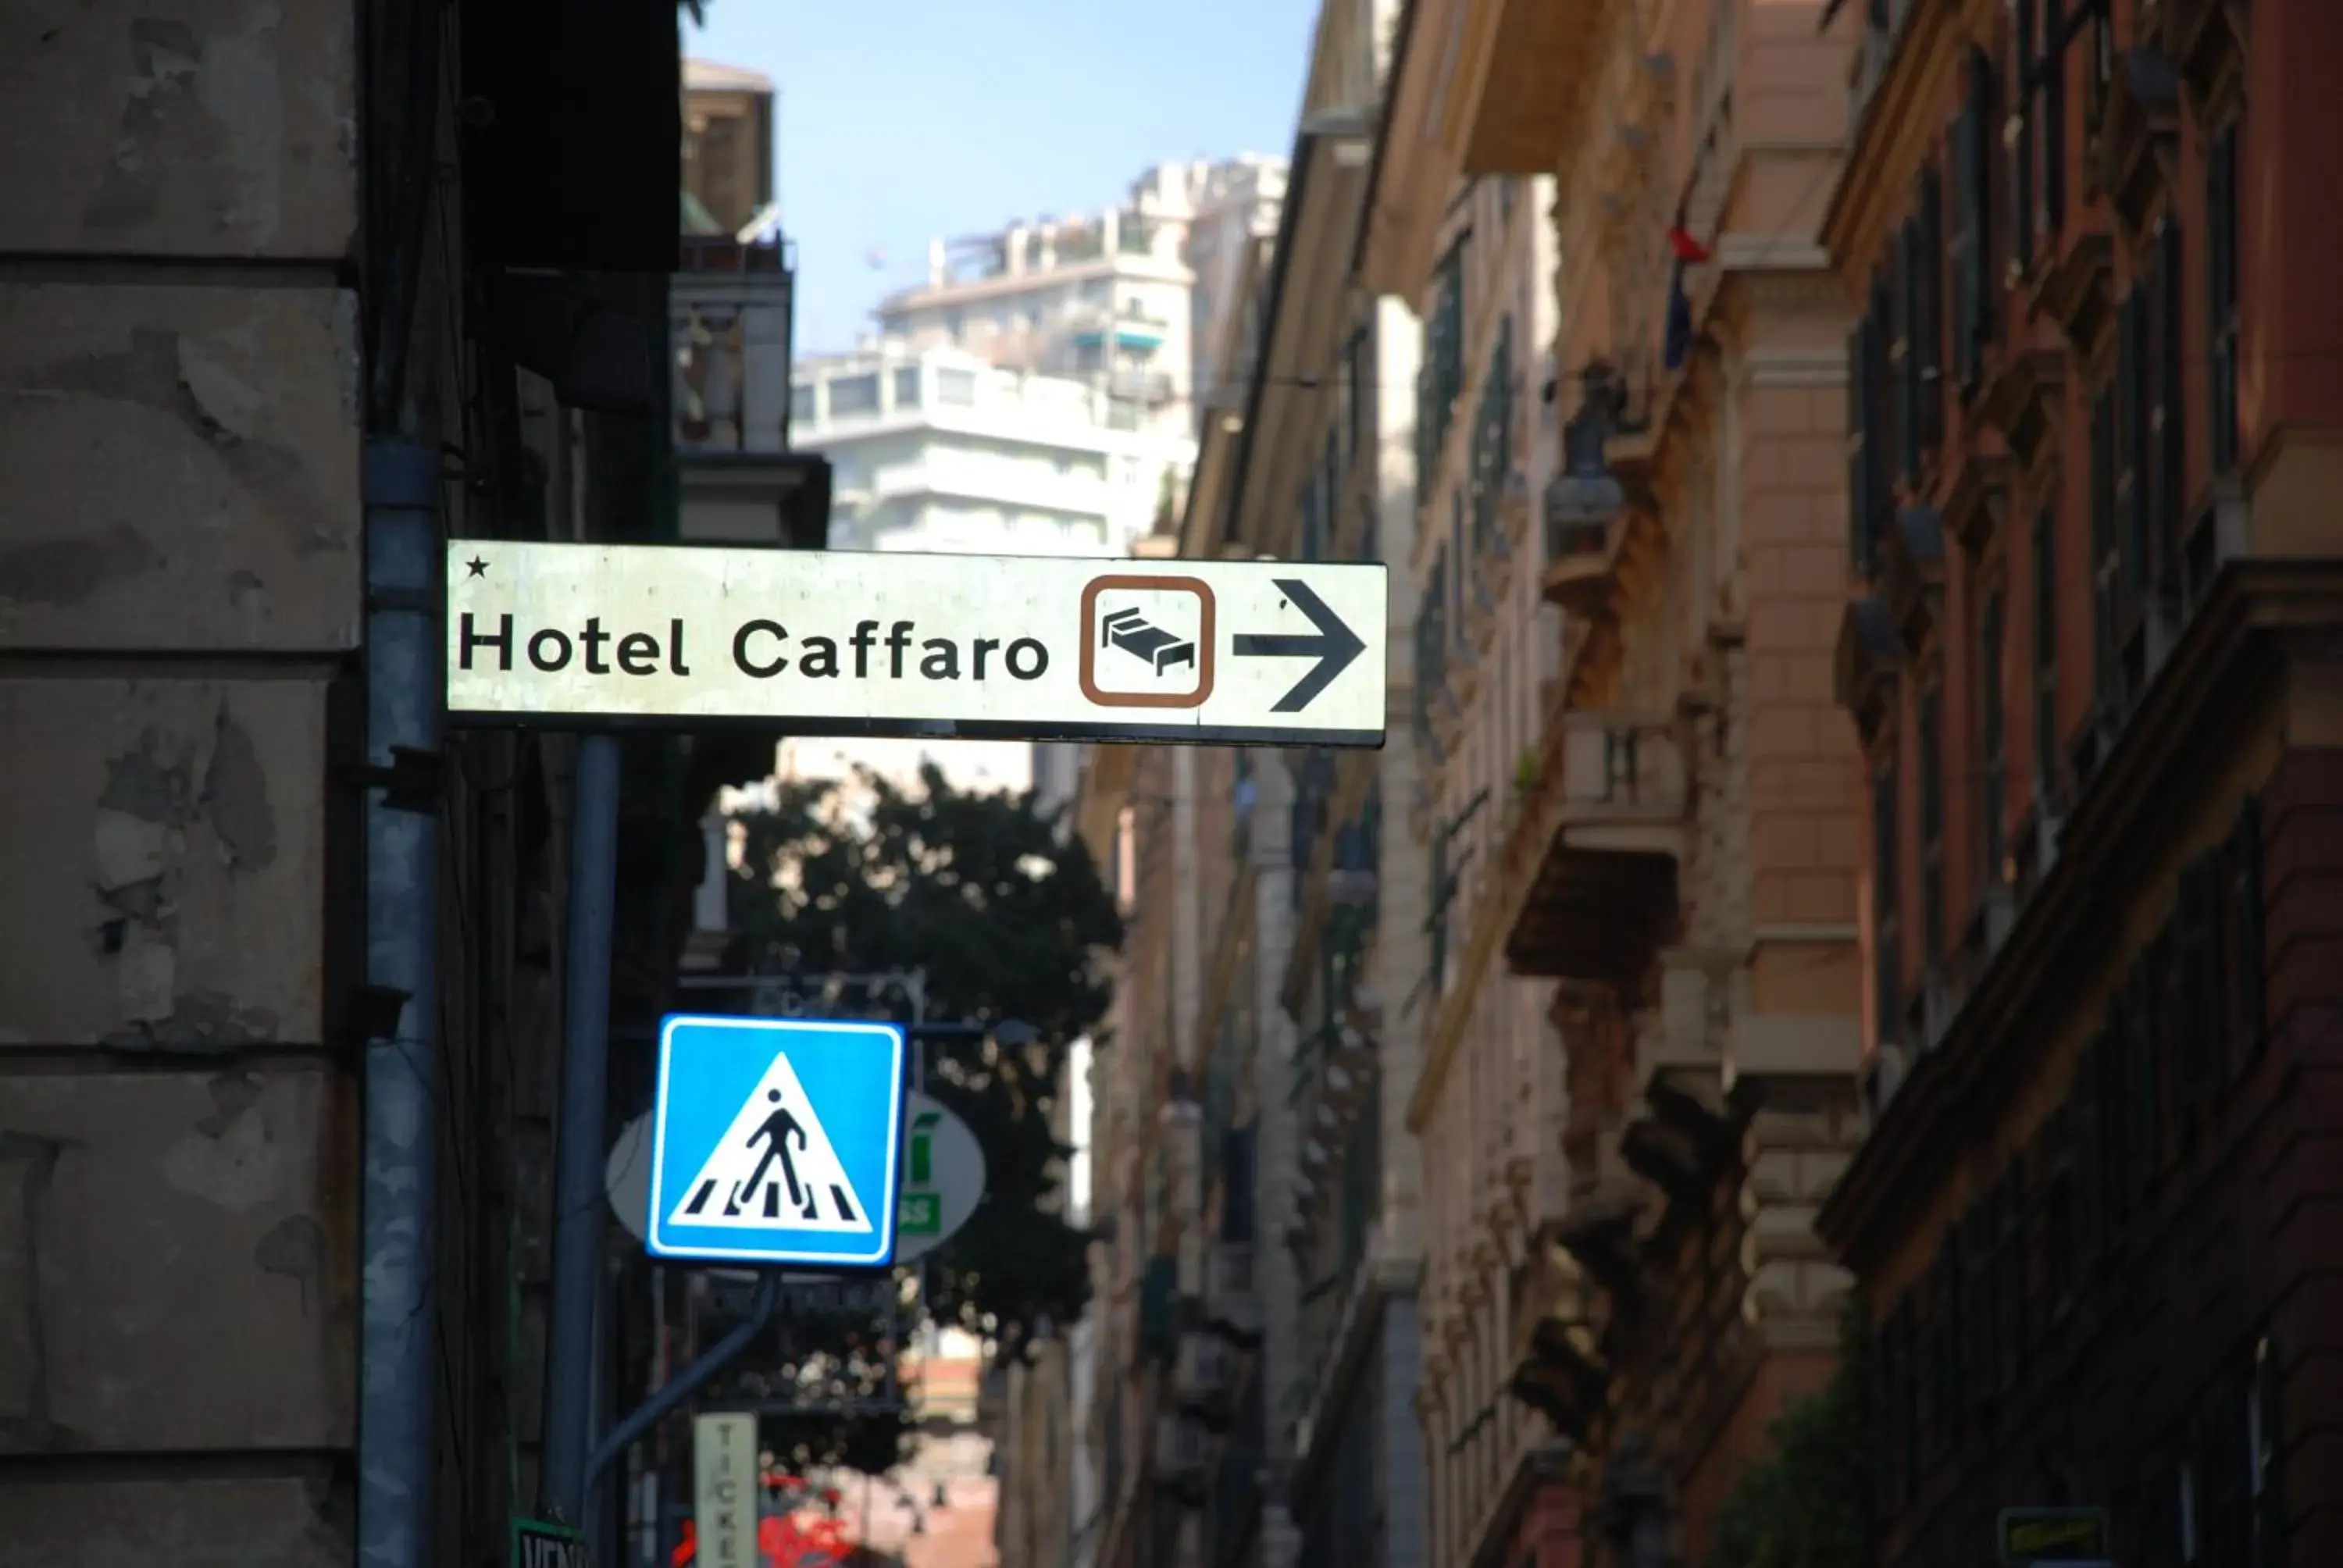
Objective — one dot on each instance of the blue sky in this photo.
(903, 118)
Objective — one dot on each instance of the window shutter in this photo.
(1964, 253)
(2088, 1161)
(2197, 1021)
(2221, 277)
(1930, 281)
(2171, 421)
(2114, 1093)
(2106, 465)
(1985, 252)
(2052, 133)
(2270, 1446)
(2245, 860)
(1904, 361)
(1858, 446)
(2146, 1063)
(1955, 1326)
(1879, 1384)
(2019, 135)
(2131, 446)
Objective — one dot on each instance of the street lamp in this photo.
(1586, 496)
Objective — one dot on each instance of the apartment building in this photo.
(1257, 1337)
(1643, 1020)
(939, 449)
(1102, 297)
(2090, 659)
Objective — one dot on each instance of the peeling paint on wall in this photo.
(140, 837)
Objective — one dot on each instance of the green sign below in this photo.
(537, 1544)
(2048, 1535)
(920, 1214)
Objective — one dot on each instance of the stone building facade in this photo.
(1640, 1075)
(2090, 659)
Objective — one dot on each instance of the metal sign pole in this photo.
(579, 1152)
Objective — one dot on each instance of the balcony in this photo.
(1607, 821)
(2207, 41)
(729, 318)
(2024, 400)
(1205, 1382)
(1532, 63)
(1582, 564)
(1181, 1457)
(1151, 388)
(2139, 147)
(2078, 291)
(1558, 1367)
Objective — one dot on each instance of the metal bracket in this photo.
(411, 783)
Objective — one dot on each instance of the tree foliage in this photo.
(1807, 1503)
(1008, 921)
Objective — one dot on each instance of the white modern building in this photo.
(1109, 297)
(935, 449)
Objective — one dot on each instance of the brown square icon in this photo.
(1130, 633)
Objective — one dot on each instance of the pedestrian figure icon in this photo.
(775, 1131)
(772, 1181)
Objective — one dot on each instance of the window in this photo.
(2221, 287)
(1949, 1331)
(1358, 365)
(2101, 65)
(802, 400)
(2046, 655)
(1928, 314)
(1993, 805)
(1972, 250)
(956, 387)
(2050, 133)
(2106, 554)
(854, 394)
(1904, 350)
(1887, 926)
(1867, 474)
(1431, 652)
(2265, 1433)
(907, 387)
(2241, 936)
(2135, 410)
(1932, 823)
(2168, 459)
(2018, 136)
(2145, 1029)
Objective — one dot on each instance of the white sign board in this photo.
(943, 1178)
(1008, 646)
(724, 1490)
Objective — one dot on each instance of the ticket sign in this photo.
(1005, 647)
(2076, 1536)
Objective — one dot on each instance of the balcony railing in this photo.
(730, 311)
(1622, 781)
(1604, 831)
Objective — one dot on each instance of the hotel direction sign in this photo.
(573, 636)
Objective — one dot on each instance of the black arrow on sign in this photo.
(1335, 646)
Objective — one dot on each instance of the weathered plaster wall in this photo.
(179, 563)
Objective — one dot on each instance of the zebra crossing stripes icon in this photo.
(775, 1166)
(775, 1141)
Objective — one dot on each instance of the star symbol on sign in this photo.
(479, 567)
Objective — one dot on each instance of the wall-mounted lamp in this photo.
(1586, 495)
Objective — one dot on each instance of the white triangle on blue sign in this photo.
(774, 1169)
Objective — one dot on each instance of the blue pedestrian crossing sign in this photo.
(774, 1141)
